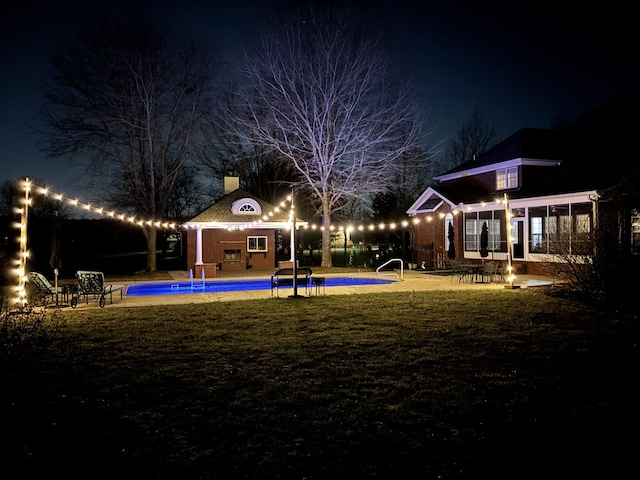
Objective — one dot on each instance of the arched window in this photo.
(246, 206)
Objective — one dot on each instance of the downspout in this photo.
(595, 206)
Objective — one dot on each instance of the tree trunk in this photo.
(326, 240)
(150, 235)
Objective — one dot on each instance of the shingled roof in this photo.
(534, 143)
(222, 211)
(594, 153)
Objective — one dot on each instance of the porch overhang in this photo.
(242, 225)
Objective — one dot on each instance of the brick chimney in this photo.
(230, 182)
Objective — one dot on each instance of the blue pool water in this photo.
(181, 288)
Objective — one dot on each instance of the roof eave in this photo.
(242, 225)
(540, 162)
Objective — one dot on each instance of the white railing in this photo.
(392, 274)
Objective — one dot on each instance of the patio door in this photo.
(517, 234)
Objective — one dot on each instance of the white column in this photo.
(198, 246)
(292, 215)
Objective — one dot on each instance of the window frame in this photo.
(257, 239)
(507, 178)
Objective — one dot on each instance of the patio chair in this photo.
(500, 271)
(489, 271)
(44, 290)
(459, 270)
(92, 283)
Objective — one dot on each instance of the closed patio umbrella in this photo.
(451, 252)
(484, 241)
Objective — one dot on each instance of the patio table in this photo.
(475, 270)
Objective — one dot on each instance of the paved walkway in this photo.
(411, 281)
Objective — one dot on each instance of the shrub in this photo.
(27, 335)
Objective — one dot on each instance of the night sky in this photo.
(518, 66)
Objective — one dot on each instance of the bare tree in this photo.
(262, 171)
(12, 195)
(473, 138)
(128, 105)
(190, 194)
(324, 96)
(413, 174)
(561, 120)
(9, 195)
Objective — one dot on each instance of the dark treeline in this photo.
(107, 245)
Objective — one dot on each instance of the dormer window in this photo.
(507, 178)
(246, 206)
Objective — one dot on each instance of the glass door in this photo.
(517, 237)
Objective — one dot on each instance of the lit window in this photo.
(257, 244)
(471, 234)
(536, 233)
(583, 224)
(246, 206)
(506, 178)
(494, 235)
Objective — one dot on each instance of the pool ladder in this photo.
(191, 279)
(401, 276)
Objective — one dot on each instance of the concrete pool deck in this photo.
(411, 280)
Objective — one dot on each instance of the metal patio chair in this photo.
(44, 290)
(92, 283)
(489, 271)
(459, 270)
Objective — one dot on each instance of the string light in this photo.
(391, 225)
(20, 298)
(97, 210)
(510, 276)
(101, 211)
(21, 294)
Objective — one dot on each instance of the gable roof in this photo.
(428, 202)
(224, 213)
(529, 143)
(594, 153)
(602, 148)
(528, 146)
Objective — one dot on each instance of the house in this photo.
(539, 192)
(238, 232)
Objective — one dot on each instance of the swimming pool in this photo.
(234, 285)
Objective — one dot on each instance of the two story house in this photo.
(539, 192)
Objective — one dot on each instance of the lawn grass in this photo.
(440, 384)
